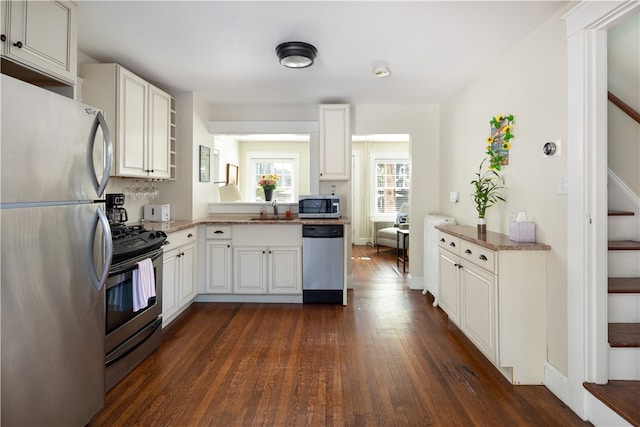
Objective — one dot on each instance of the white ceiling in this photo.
(225, 51)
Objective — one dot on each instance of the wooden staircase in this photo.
(622, 392)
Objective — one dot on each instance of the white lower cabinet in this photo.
(257, 262)
(498, 299)
(478, 306)
(179, 285)
(262, 270)
(218, 267)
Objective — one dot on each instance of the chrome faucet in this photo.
(275, 208)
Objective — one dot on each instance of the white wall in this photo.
(529, 82)
(188, 196)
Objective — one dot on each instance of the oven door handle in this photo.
(100, 280)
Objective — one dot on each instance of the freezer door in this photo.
(53, 148)
(53, 321)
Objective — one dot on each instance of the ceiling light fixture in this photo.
(296, 54)
(381, 72)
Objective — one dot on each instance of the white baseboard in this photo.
(415, 282)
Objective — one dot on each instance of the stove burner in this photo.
(119, 231)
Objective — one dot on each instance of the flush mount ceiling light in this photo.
(381, 72)
(296, 54)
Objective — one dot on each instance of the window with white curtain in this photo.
(390, 175)
(286, 166)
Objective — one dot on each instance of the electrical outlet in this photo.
(453, 197)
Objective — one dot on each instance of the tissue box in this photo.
(522, 232)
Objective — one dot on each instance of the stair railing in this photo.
(624, 107)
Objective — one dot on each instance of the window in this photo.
(284, 166)
(391, 184)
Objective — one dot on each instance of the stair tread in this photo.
(624, 245)
(624, 334)
(621, 396)
(620, 213)
(624, 285)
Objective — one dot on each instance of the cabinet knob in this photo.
(18, 44)
(3, 38)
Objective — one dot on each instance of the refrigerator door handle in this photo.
(106, 134)
(99, 281)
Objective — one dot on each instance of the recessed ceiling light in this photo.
(296, 54)
(381, 72)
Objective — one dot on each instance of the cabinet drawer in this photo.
(449, 242)
(478, 255)
(179, 238)
(218, 232)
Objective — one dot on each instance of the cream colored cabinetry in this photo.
(179, 286)
(41, 35)
(335, 142)
(140, 116)
(449, 268)
(253, 261)
(497, 296)
(218, 261)
(267, 270)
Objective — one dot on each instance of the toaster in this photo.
(157, 213)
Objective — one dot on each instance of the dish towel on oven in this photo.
(144, 286)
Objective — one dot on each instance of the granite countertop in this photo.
(230, 219)
(490, 240)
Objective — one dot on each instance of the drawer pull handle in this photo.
(189, 236)
(219, 232)
(442, 240)
(483, 258)
(468, 251)
(453, 245)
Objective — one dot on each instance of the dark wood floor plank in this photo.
(387, 359)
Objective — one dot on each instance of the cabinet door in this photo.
(187, 285)
(285, 274)
(42, 35)
(335, 143)
(170, 303)
(159, 133)
(448, 269)
(132, 125)
(218, 267)
(249, 270)
(478, 318)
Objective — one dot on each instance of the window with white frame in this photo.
(286, 166)
(391, 177)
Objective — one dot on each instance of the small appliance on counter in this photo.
(319, 206)
(157, 213)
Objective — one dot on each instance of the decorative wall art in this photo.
(232, 174)
(205, 164)
(499, 143)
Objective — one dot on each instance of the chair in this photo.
(388, 236)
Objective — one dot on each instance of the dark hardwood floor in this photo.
(386, 359)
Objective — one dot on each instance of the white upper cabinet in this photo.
(335, 142)
(41, 35)
(139, 116)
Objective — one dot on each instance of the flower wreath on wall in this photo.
(498, 144)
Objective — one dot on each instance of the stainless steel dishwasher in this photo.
(322, 263)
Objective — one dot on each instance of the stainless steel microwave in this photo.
(319, 206)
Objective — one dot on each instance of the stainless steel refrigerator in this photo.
(55, 255)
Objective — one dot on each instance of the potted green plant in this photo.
(487, 189)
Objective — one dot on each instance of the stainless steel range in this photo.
(132, 332)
